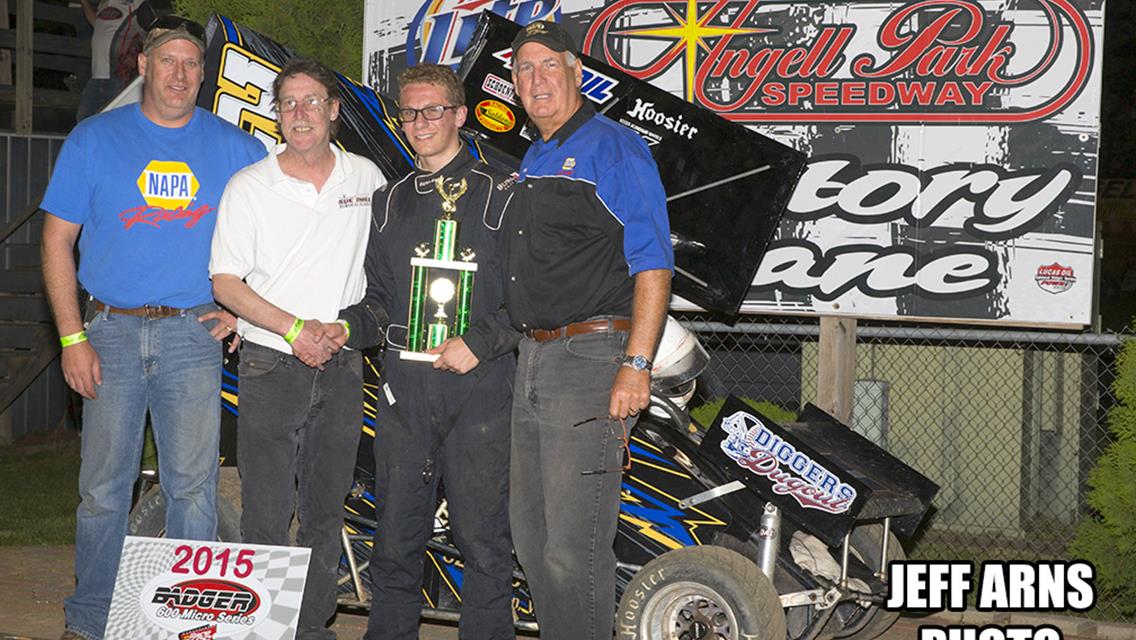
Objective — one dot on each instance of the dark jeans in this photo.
(563, 513)
(473, 463)
(297, 436)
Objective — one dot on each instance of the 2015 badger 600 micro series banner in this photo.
(191, 590)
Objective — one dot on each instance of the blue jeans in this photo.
(564, 481)
(297, 436)
(171, 367)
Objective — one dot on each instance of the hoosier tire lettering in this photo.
(703, 591)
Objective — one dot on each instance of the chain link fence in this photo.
(1008, 423)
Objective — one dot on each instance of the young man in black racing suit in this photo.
(448, 420)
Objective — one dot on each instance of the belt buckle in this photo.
(151, 312)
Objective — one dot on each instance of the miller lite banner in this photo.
(952, 144)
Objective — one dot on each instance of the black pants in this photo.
(297, 436)
(474, 463)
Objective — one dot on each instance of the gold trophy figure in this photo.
(440, 285)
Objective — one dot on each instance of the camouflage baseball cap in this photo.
(171, 27)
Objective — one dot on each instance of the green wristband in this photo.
(294, 332)
(74, 338)
(346, 327)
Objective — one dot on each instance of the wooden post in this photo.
(22, 121)
(836, 366)
(5, 54)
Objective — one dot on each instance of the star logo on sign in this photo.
(690, 32)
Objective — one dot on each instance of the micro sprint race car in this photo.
(747, 529)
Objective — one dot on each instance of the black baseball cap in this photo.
(546, 32)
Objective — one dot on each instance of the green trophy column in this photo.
(445, 238)
(414, 336)
(445, 242)
(465, 301)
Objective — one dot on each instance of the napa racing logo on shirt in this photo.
(791, 471)
(441, 29)
(169, 188)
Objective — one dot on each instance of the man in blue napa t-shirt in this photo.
(142, 183)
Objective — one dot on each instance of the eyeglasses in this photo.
(432, 112)
(173, 23)
(289, 105)
(624, 440)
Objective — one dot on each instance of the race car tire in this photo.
(850, 621)
(697, 592)
(148, 517)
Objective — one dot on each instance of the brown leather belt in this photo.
(145, 311)
(603, 325)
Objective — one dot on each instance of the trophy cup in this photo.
(441, 287)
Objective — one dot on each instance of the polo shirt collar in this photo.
(277, 175)
(459, 165)
(583, 114)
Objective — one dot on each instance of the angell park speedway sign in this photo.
(952, 143)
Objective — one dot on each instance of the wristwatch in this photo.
(638, 363)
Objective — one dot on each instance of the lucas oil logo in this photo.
(791, 471)
(168, 185)
(1055, 278)
(442, 29)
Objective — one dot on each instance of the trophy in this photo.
(441, 287)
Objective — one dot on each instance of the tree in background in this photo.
(330, 31)
(1108, 539)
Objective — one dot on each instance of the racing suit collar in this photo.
(458, 167)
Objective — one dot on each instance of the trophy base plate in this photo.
(417, 356)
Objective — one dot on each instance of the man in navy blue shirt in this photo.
(587, 280)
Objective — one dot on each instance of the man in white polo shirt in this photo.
(288, 254)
